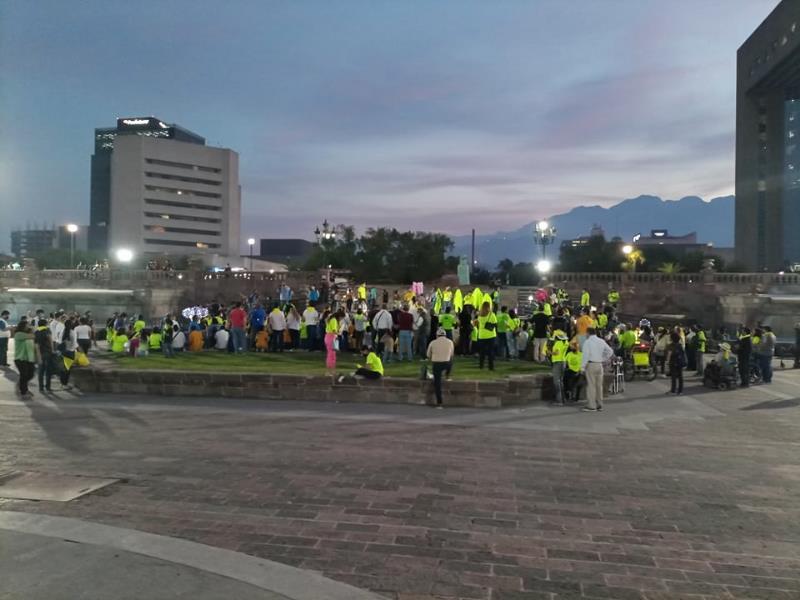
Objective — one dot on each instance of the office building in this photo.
(767, 153)
(37, 240)
(158, 189)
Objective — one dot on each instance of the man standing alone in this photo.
(440, 353)
(5, 335)
(595, 353)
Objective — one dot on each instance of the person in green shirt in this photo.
(24, 357)
(627, 338)
(447, 321)
(503, 326)
(154, 340)
(119, 341)
(486, 327)
(372, 370)
(138, 326)
(558, 356)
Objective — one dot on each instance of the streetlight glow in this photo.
(251, 242)
(124, 255)
(72, 228)
(542, 225)
(627, 249)
(543, 266)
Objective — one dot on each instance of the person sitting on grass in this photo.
(118, 341)
(372, 370)
(153, 340)
(222, 337)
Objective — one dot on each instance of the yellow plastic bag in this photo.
(81, 360)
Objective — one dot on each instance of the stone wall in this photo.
(477, 394)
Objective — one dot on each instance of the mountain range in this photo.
(712, 221)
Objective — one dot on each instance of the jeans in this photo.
(486, 350)
(367, 373)
(676, 376)
(405, 337)
(744, 370)
(421, 342)
(26, 370)
(45, 372)
(438, 369)
(4, 351)
(167, 349)
(276, 340)
(558, 381)
(502, 344)
(295, 333)
(312, 341)
(239, 339)
(539, 346)
(765, 363)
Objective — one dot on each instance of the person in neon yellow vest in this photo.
(486, 325)
(458, 301)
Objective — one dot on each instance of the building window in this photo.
(762, 185)
(174, 217)
(154, 202)
(160, 229)
(155, 242)
(186, 179)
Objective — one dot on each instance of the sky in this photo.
(438, 115)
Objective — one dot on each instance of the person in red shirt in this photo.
(405, 335)
(237, 319)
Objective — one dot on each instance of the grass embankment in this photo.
(309, 363)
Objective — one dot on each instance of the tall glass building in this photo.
(767, 153)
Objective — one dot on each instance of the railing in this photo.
(742, 279)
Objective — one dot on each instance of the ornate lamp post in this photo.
(325, 237)
(251, 242)
(544, 234)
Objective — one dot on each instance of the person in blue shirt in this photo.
(258, 316)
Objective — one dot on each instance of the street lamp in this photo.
(124, 255)
(627, 249)
(544, 234)
(544, 266)
(251, 242)
(324, 236)
(72, 229)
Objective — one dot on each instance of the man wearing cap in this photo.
(440, 353)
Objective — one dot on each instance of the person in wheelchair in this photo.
(722, 371)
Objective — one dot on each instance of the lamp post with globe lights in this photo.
(72, 229)
(325, 237)
(251, 242)
(544, 234)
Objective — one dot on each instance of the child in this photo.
(387, 341)
(262, 340)
(522, 340)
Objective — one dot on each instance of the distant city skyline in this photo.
(428, 115)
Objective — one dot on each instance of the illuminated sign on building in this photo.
(137, 121)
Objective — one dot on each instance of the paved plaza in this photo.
(658, 497)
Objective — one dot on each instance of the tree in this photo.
(383, 255)
(670, 268)
(595, 255)
(504, 268)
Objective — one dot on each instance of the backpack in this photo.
(679, 358)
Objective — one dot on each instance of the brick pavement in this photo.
(691, 508)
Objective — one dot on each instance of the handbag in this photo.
(336, 344)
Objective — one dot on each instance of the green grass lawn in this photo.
(305, 363)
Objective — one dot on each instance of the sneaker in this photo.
(439, 407)
(556, 403)
(599, 408)
(587, 409)
(340, 379)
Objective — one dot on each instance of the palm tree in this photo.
(670, 268)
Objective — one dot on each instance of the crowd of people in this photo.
(403, 326)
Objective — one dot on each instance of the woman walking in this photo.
(331, 335)
(676, 359)
(24, 357)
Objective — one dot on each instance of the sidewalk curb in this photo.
(294, 583)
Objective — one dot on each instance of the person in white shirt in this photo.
(5, 336)
(84, 335)
(221, 339)
(311, 318)
(595, 353)
(382, 323)
(57, 329)
(178, 338)
(277, 323)
(522, 341)
(293, 325)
